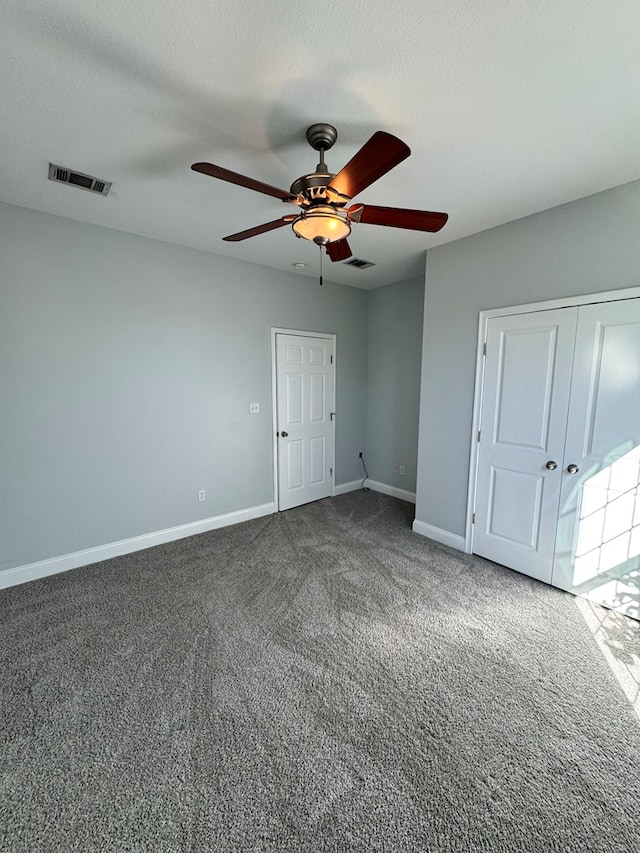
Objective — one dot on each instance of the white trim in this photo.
(483, 320)
(475, 426)
(376, 486)
(439, 535)
(564, 302)
(343, 488)
(394, 492)
(276, 330)
(33, 571)
(274, 417)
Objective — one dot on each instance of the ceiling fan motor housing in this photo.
(312, 188)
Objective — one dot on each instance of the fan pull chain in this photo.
(320, 247)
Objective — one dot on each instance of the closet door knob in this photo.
(551, 465)
(572, 469)
(284, 434)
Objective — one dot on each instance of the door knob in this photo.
(572, 469)
(284, 434)
(551, 465)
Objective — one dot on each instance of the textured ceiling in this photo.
(509, 108)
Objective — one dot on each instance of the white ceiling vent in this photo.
(358, 263)
(78, 179)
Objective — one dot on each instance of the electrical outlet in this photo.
(202, 495)
(396, 468)
(254, 408)
(403, 470)
(360, 455)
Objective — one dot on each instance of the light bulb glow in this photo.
(322, 224)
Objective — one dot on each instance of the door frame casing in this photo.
(483, 319)
(276, 330)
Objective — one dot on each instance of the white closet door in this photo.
(523, 424)
(598, 542)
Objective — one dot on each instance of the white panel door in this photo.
(598, 546)
(526, 388)
(304, 399)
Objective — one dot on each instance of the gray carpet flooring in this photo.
(319, 680)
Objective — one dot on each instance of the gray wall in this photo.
(587, 246)
(393, 388)
(127, 368)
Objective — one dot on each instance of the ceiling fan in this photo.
(323, 196)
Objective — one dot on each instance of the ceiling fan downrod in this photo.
(321, 137)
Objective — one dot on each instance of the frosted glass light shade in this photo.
(322, 224)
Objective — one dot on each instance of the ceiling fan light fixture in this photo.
(322, 224)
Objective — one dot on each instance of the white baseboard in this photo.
(402, 494)
(439, 535)
(343, 488)
(33, 571)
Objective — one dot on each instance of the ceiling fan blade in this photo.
(376, 157)
(241, 180)
(259, 229)
(339, 251)
(397, 217)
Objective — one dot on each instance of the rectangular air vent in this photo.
(359, 263)
(78, 179)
